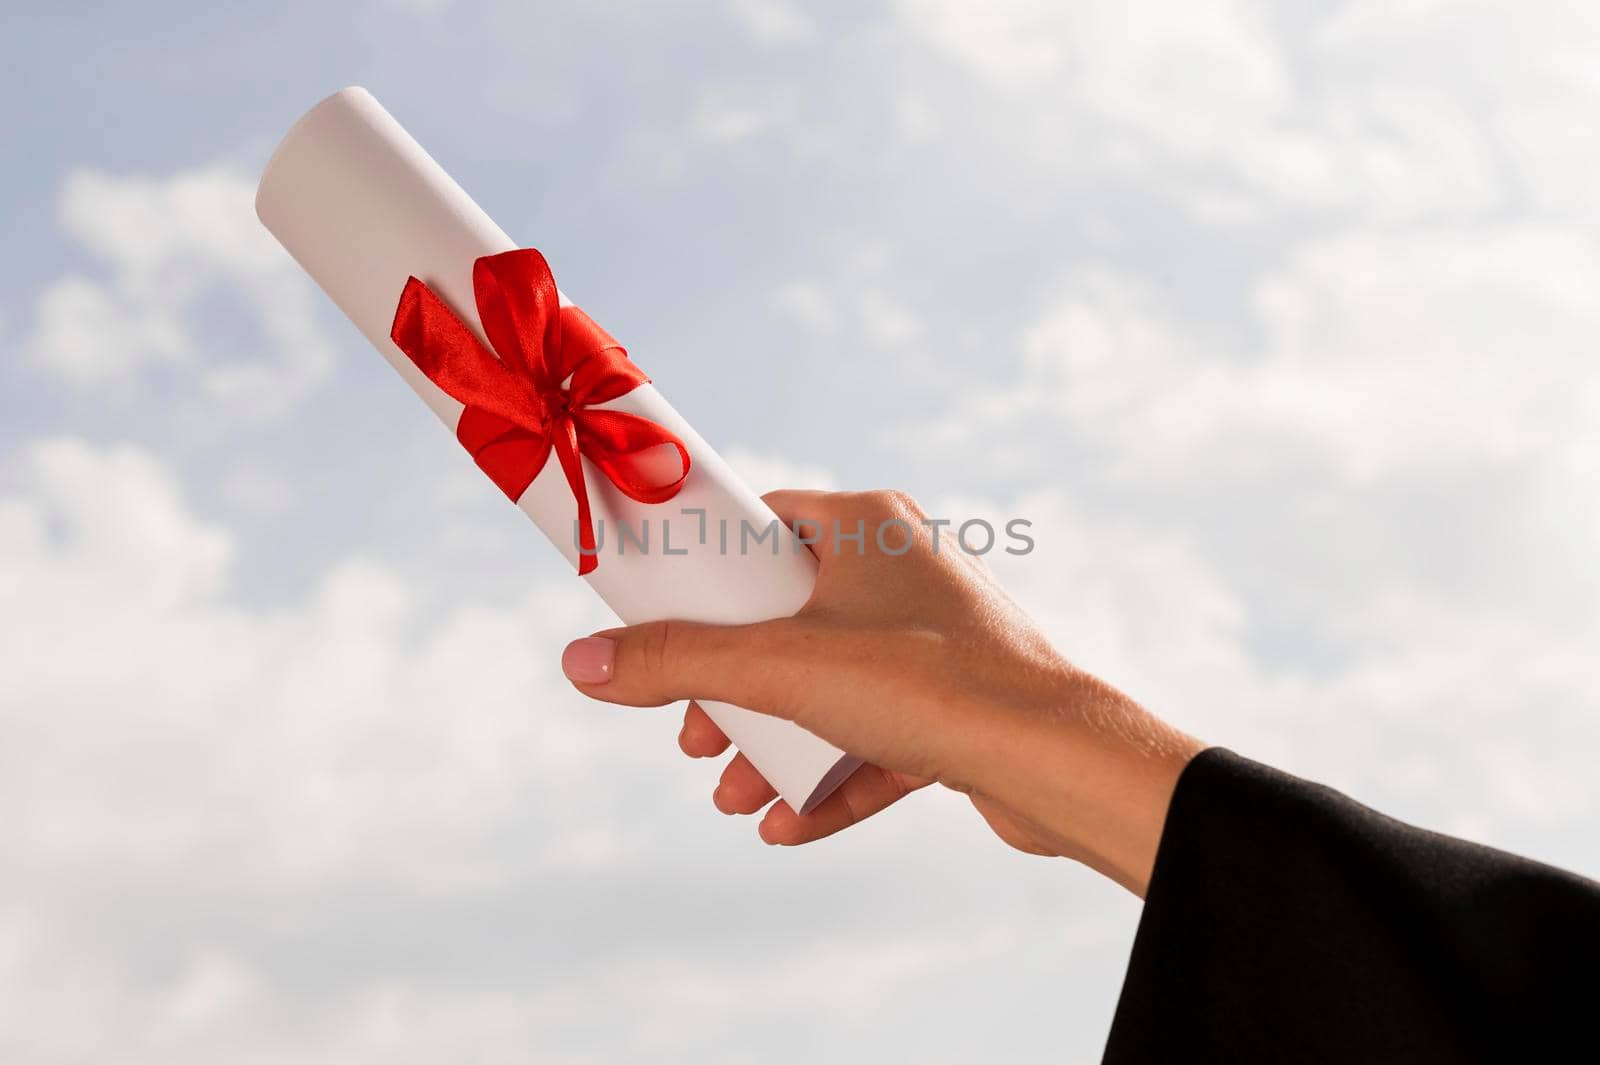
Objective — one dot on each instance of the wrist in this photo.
(1095, 775)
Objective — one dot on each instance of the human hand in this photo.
(922, 665)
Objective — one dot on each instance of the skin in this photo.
(921, 664)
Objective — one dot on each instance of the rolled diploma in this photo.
(362, 207)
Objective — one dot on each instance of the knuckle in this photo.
(883, 499)
(895, 503)
(656, 647)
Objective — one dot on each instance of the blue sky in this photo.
(1277, 320)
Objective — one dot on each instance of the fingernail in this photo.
(589, 660)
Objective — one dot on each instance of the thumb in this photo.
(660, 662)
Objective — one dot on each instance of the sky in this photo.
(1278, 321)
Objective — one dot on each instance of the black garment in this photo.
(1287, 923)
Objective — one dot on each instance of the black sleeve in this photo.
(1287, 923)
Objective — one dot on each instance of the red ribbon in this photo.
(521, 405)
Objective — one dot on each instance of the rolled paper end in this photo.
(352, 95)
(830, 780)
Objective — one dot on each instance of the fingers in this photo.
(700, 737)
(742, 789)
(755, 666)
(867, 791)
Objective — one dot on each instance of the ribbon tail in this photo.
(566, 447)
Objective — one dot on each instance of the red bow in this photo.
(522, 404)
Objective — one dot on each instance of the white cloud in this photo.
(1191, 73)
(765, 472)
(168, 246)
(1392, 111)
(727, 114)
(773, 22)
(260, 489)
(128, 533)
(860, 303)
(1383, 357)
(885, 321)
(145, 665)
(1015, 43)
(806, 304)
(1433, 352)
(231, 807)
(1138, 606)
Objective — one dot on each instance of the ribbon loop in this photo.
(535, 391)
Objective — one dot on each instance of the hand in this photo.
(921, 664)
